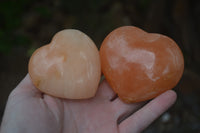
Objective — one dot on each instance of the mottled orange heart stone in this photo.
(139, 65)
(68, 67)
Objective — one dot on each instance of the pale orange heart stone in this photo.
(139, 65)
(68, 67)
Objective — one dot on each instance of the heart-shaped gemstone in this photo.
(68, 67)
(139, 65)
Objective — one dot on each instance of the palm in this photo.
(90, 116)
(34, 112)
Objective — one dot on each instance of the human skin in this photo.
(30, 111)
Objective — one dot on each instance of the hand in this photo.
(30, 111)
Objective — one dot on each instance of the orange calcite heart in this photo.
(68, 67)
(139, 65)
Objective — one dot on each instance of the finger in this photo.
(55, 105)
(146, 115)
(26, 87)
(123, 110)
(105, 91)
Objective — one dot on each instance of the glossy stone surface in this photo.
(68, 67)
(139, 65)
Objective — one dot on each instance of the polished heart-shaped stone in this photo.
(139, 65)
(68, 67)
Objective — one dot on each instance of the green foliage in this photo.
(82, 6)
(11, 15)
(145, 3)
(11, 12)
(43, 11)
(31, 50)
(8, 41)
(5, 42)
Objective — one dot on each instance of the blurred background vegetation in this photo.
(26, 25)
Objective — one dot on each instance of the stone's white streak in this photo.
(60, 69)
(42, 56)
(56, 60)
(166, 70)
(119, 41)
(138, 56)
(174, 58)
(151, 37)
(151, 75)
(89, 69)
(114, 62)
(83, 55)
(48, 63)
(144, 58)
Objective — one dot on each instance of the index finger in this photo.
(147, 114)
